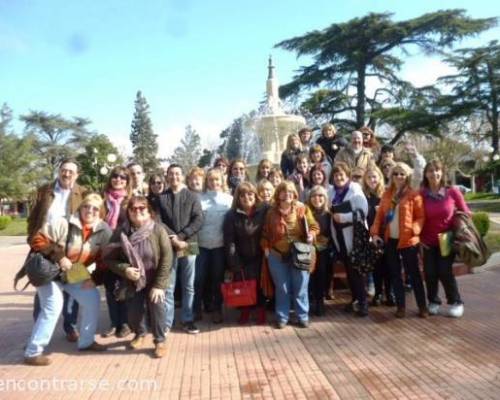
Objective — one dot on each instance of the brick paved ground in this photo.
(339, 357)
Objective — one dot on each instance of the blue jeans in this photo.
(291, 284)
(210, 265)
(186, 267)
(69, 312)
(51, 305)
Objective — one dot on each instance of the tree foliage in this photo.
(144, 141)
(347, 55)
(94, 158)
(56, 138)
(475, 88)
(188, 153)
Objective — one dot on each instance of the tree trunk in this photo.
(494, 109)
(360, 105)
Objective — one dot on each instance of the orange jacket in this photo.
(411, 218)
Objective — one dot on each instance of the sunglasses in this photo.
(398, 174)
(116, 176)
(90, 207)
(138, 209)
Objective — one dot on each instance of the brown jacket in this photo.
(44, 198)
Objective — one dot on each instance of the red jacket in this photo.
(411, 218)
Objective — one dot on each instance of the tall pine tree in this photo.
(144, 144)
(189, 152)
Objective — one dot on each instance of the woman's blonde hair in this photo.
(214, 172)
(403, 167)
(289, 141)
(317, 189)
(92, 199)
(326, 126)
(285, 186)
(379, 189)
(263, 162)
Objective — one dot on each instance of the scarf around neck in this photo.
(114, 199)
(340, 193)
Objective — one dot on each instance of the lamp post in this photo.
(104, 168)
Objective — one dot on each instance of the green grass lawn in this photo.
(492, 240)
(481, 196)
(17, 227)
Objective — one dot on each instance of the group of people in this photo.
(184, 232)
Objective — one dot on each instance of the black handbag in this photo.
(365, 253)
(302, 253)
(40, 270)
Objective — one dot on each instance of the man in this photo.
(60, 198)
(305, 135)
(180, 210)
(355, 155)
(139, 187)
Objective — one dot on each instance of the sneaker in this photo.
(110, 332)
(124, 331)
(401, 312)
(351, 307)
(280, 325)
(303, 324)
(433, 308)
(137, 343)
(37, 361)
(94, 347)
(371, 289)
(72, 337)
(362, 311)
(160, 350)
(191, 328)
(456, 310)
(376, 301)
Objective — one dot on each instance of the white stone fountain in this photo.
(271, 125)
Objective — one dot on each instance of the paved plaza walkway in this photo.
(338, 357)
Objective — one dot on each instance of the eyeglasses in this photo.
(90, 207)
(138, 209)
(119, 176)
(398, 174)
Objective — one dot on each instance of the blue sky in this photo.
(197, 62)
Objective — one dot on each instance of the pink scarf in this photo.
(114, 199)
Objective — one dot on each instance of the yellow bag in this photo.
(78, 273)
(445, 243)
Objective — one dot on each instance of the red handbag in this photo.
(240, 293)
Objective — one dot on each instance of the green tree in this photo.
(475, 88)
(188, 153)
(56, 138)
(144, 141)
(16, 160)
(346, 55)
(206, 158)
(94, 160)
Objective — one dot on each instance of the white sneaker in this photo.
(433, 308)
(371, 289)
(456, 310)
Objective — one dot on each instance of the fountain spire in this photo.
(272, 94)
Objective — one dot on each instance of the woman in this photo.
(373, 187)
(210, 263)
(370, 142)
(330, 142)
(305, 135)
(73, 244)
(116, 195)
(399, 221)
(348, 198)
(318, 158)
(242, 232)
(195, 179)
(265, 191)
(285, 224)
(440, 203)
(318, 176)
(237, 174)
(289, 156)
(318, 202)
(386, 166)
(275, 177)
(140, 251)
(156, 186)
(301, 176)
(263, 170)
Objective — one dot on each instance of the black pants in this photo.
(320, 275)
(438, 268)
(117, 309)
(139, 308)
(409, 258)
(382, 279)
(356, 282)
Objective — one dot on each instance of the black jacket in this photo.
(181, 213)
(242, 234)
(287, 163)
(331, 146)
